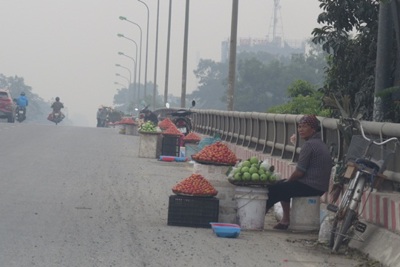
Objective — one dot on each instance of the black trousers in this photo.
(285, 190)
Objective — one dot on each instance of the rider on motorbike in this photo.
(149, 116)
(22, 102)
(102, 114)
(57, 106)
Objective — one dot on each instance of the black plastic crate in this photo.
(170, 151)
(192, 211)
(170, 146)
(171, 140)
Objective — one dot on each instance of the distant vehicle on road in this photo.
(7, 106)
(20, 114)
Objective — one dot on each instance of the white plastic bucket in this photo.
(182, 152)
(251, 204)
(305, 213)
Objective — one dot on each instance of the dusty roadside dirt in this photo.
(99, 205)
(157, 244)
(308, 241)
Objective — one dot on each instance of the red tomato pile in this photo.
(126, 120)
(192, 138)
(218, 153)
(165, 124)
(195, 185)
(172, 130)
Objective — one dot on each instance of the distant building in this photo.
(274, 43)
(277, 47)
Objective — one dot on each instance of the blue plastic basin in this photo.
(226, 229)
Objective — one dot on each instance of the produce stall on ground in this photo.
(150, 141)
(171, 141)
(129, 125)
(213, 161)
(253, 172)
(194, 203)
(240, 187)
(252, 178)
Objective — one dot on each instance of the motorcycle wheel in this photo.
(20, 118)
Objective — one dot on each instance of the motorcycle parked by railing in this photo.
(182, 120)
(20, 114)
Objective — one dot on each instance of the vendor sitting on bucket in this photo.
(312, 174)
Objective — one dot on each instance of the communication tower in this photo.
(276, 26)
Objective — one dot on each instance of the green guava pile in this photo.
(254, 170)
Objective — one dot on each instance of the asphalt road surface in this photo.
(74, 196)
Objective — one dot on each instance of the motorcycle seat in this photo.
(181, 113)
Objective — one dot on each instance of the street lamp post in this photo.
(134, 60)
(156, 56)
(124, 77)
(167, 59)
(127, 88)
(147, 47)
(134, 76)
(130, 73)
(140, 56)
(185, 51)
(119, 84)
(130, 78)
(232, 56)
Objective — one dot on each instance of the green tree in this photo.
(258, 85)
(262, 79)
(212, 83)
(349, 36)
(120, 100)
(304, 99)
(300, 88)
(38, 108)
(262, 86)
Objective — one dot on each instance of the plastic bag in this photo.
(266, 164)
(278, 211)
(325, 229)
(207, 141)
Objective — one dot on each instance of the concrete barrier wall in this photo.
(383, 209)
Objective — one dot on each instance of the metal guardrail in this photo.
(270, 133)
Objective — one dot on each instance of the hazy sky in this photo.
(69, 48)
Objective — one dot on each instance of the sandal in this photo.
(281, 226)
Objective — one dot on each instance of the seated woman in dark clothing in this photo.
(312, 174)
